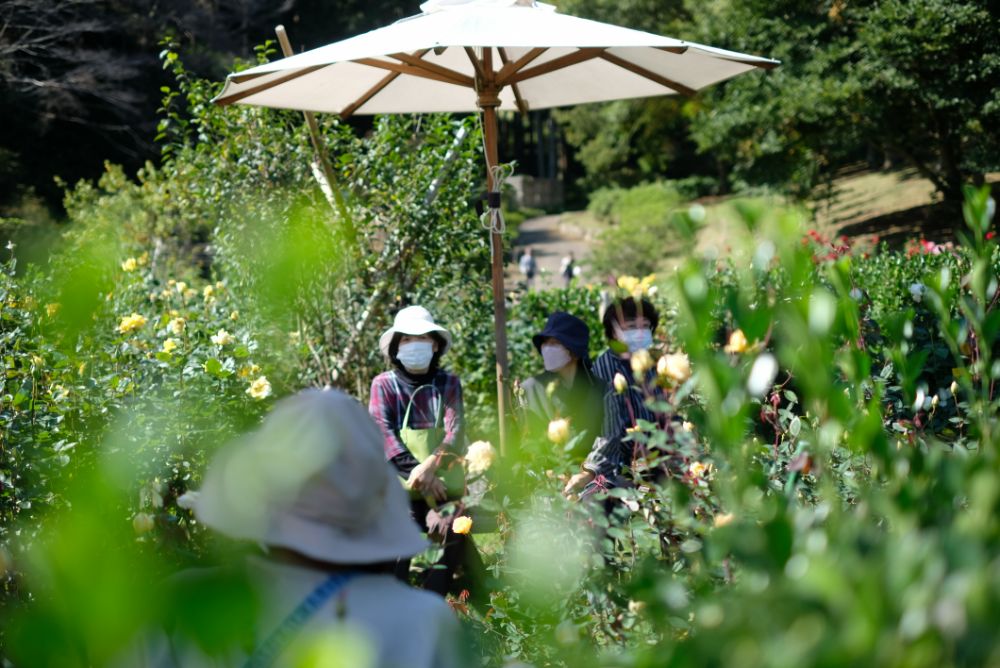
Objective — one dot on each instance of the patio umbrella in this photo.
(478, 55)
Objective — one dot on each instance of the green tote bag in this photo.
(422, 443)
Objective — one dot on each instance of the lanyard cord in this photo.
(267, 651)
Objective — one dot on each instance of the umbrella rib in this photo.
(518, 100)
(416, 61)
(476, 64)
(643, 72)
(369, 94)
(579, 56)
(253, 90)
(510, 68)
(413, 71)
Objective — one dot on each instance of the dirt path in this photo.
(550, 240)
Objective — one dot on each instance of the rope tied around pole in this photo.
(492, 218)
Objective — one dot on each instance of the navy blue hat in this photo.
(569, 331)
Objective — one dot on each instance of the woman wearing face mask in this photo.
(567, 388)
(418, 407)
(628, 326)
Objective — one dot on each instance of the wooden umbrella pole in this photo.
(488, 101)
(324, 160)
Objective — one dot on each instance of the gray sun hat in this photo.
(313, 479)
(415, 321)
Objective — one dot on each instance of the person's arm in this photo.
(607, 453)
(537, 409)
(454, 415)
(405, 463)
(383, 407)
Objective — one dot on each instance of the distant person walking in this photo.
(567, 269)
(528, 267)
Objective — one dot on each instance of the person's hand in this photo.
(423, 478)
(578, 481)
(438, 523)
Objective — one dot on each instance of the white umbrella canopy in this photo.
(476, 55)
(541, 59)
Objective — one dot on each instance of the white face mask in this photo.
(555, 356)
(415, 356)
(636, 339)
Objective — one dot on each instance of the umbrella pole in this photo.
(488, 102)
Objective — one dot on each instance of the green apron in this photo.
(422, 443)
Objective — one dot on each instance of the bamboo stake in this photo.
(321, 155)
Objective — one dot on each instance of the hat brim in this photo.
(390, 536)
(415, 328)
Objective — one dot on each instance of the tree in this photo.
(80, 79)
(630, 141)
(929, 76)
(919, 79)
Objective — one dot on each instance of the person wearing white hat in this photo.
(312, 488)
(418, 407)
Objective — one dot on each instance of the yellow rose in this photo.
(189, 294)
(142, 523)
(169, 345)
(462, 524)
(737, 343)
(180, 286)
(722, 520)
(260, 388)
(52, 309)
(479, 457)
(628, 283)
(222, 338)
(176, 325)
(699, 470)
(144, 259)
(234, 316)
(559, 431)
(642, 362)
(207, 292)
(130, 323)
(248, 370)
(646, 286)
(130, 264)
(675, 367)
(620, 383)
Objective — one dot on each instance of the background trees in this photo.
(878, 80)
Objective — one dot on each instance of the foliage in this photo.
(912, 79)
(850, 498)
(80, 79)
(819, 488)
(644, 224)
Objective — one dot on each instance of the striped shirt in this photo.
(621, 411)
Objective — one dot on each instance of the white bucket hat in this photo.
(312, 479)
(415, 321)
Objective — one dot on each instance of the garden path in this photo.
(550, 239)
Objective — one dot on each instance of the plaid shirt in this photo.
(390, 396)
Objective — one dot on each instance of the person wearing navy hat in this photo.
(567, 389)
